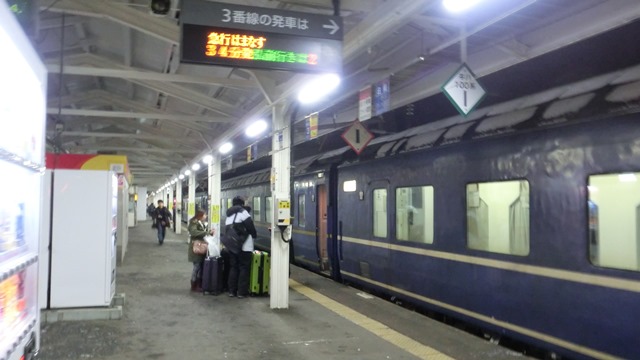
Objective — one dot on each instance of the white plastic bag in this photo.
(214, 245)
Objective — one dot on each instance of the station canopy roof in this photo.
(117, 86)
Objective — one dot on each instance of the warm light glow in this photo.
(256, 128)
(458, 5)
(318, 88)
(225, 148)
(207, 159)
(195, 167)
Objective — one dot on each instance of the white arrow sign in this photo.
(332, 26)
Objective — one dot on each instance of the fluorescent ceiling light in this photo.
(256, 128)
(181, 176)
(187, 172)
(195, 167)
(630, 177)
(318, 88)
(458, 5)
(226, 147)
(207, 159)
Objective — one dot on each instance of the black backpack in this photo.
(235, 234)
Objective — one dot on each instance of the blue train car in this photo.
(522, 220)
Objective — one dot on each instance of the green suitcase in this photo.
(259, 275)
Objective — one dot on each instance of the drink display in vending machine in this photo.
(22, 120)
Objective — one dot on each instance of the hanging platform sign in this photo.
(463, 90)
(357, 136)
(264, 38)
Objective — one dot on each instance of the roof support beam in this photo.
(159, 27)
(96, 147)
(137, 74)
(133, 115)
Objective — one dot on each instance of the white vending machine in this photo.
(22, 121)
(83, 238)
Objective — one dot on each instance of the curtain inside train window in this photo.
(257, 213)
(414, 214)
(498, 217)
(301, 210)
(268, 209)
(613, 223)
(380, 213)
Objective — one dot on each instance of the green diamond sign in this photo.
(463, 90)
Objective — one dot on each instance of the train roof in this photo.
(612, 93)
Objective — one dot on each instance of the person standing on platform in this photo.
(241, 262)
(162, 217)
(197, 231)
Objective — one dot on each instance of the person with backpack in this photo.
(162, 218)
(240, 261)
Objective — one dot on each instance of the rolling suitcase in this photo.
(260, 272)
(212, 276)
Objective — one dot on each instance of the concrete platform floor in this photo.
(325, 320)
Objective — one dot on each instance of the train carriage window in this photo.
(380, 213)
(614, 220)
(301, 210)
(498, 217)
(257, 214)
(229, 203)
(268, 209)
(414, 214)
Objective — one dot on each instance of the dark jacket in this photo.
(162, 214)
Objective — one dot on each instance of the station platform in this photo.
(162, 319)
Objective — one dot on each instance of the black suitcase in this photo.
(212, 276)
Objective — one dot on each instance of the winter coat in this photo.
(238, 214)
(197, 231)
(162, 214)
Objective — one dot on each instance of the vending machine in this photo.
(22, 122)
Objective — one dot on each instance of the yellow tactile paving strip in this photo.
(379, 329)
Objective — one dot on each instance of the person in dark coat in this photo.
(241, 262)
(197, 231)
(162, 217)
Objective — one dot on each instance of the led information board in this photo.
(265, 38)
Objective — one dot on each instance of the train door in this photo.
(321, 229)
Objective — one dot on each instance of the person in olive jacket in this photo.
(197, 231)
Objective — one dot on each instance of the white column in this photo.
(281, 160)
(141, 206)
(179, 205)
(192, 196)
(170, 204)
(214, 194)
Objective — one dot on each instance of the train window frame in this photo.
(607, 216)
(302, 213)
(256, 209)
(268, 209)
(489, 237)
(415, 205)
(374, 215)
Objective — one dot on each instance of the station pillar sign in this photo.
(463, 90)
(357, 136)
(228, 34)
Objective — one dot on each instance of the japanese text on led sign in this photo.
(249, 47)
(254, 18)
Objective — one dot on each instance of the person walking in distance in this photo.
(197, 231)
(162, 217)
(241, 262)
